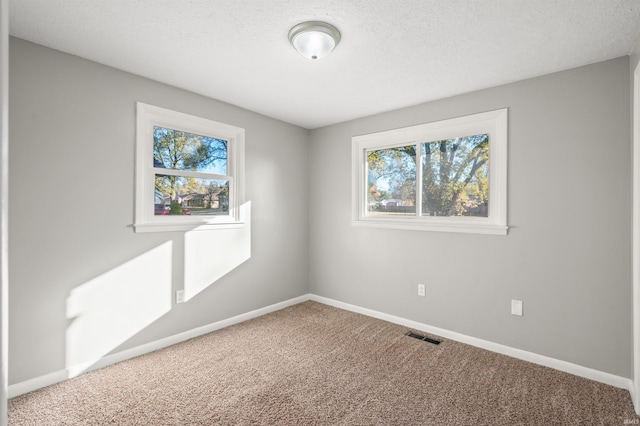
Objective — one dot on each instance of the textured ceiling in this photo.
(393, 53)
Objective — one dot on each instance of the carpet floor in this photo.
(311, 364)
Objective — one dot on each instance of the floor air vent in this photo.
(425, 338)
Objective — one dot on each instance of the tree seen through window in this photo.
(197, 191)
(455, 178)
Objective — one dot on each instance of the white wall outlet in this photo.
(179, 296)
(422, 291)
(516, 307)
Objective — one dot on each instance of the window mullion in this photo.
(364, 198)
(189, 173)
(418, 179)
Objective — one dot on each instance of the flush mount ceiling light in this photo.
(314, 39)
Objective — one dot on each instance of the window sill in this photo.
(444, 225)
(186, 226)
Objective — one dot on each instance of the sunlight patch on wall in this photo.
(108, 310)
(210, 255)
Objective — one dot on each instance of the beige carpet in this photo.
(311, 364)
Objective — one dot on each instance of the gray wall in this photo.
(633, 63)
(635, 56)
(72, 125)
(567, 255)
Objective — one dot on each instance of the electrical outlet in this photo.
(516, 307)
(422, 290)
(180, 296)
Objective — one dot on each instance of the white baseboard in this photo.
(36, 383)
(72, 371)
(567, 367)
(577, 370)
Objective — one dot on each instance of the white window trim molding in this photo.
(145, 220)
(493, 123)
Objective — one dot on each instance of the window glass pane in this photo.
(178, 195)
(455, 177)
(391, 181)
(174, 149)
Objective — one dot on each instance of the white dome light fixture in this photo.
(314, 39)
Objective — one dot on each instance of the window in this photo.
(447, 176)
(189, 171)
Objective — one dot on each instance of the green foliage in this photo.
(392, 174)
(455, 176)
(178, 150)
(175, 208)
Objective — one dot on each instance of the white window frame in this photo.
(493, 123)
(149, 116)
